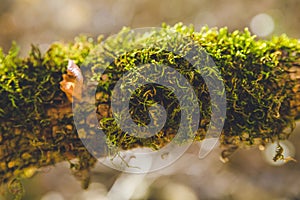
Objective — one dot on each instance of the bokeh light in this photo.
(262, 25)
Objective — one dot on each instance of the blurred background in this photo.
(248, 175)
(42, 22)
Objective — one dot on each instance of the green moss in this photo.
(258, 87)
(31, 135)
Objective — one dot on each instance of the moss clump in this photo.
(36, 120)
(37, 127)
(258, 84)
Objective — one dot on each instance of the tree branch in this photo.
(37, 129)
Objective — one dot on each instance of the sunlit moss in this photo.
(37, 127)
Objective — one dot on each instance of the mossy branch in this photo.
(261, 78)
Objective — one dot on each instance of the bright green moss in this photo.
(259, 94)
(258, 87)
